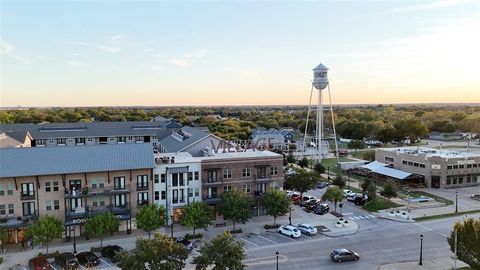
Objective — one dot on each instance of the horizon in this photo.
(102, 54)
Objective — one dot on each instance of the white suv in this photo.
(289, 230)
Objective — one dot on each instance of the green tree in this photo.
(223, 252)
(339, 180)
(319, 168)
(468, 241)
(303, 162)
(372, 192)
(388, 191)
(159, 253)
(150, 217)
(101, 225)
(291, 158)
(368, 155)
(45, 230)
(301, 182)
(366, 184)
(356, 144)
(196, 215)
(333, 194)
(236, 206)
(386, 134)
(277, 203)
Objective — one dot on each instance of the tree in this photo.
(101, 225)
(303, 162)
(468, 241)
(333, 194)
(150, 217)
(372, 192)
(291, 158)
(367, 183)
(368, 155)
(196, 215)
(223, 252)
(339, 181)
(356, 144)
(159, 253)
(301, 182)
(319, 168)
(388, 191)
(386, 134)
(45, 230)
(236, 206)
(277, 203)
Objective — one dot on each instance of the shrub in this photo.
(270, 226)
(191, 236)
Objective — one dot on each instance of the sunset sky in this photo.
(87, 53)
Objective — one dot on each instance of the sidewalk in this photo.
(436, 264)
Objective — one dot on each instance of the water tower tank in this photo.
(320, 77)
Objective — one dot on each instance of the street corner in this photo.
(396, 215)
(444, 263)
(338, 227)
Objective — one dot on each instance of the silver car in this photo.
(306, 228)
(342, 254)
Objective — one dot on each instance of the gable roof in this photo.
(181, 138)
(33, 161)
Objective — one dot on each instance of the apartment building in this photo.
(439, 168)
(72, 184)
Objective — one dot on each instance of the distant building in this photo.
(287, 134)
(15, 139)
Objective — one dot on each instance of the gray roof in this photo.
(181, 138)
(33, 161)
(93, 129)
(381, 168)
(8, 141)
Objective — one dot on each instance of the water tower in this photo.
(320, 82)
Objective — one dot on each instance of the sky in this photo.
(167, 53)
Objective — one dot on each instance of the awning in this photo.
(394, 173)
(374, 165)
(177, 169)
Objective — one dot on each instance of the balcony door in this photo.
(75, 187)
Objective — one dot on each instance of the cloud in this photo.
(430, 5)
(187, 59)
(9, 50)
(117, 37)
(76, 63)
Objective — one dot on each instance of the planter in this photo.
(404, 215)
(338, 225)
(346, 223)
(391, 213)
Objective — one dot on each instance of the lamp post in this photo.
(421, 250)
(328, 172)
(290, 216)
(456, 201)
(74, 240)
(348, 179)
(276, 253)
(171, 226)
(456, 242)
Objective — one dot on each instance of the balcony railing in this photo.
(141, 188)
(211, 199)
(27, 196)
(92, 211)
(94, 192)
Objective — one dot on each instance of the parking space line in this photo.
(281, 235)
(267, 239)
(53, 267)
(249, 242)
(105, 262)
(351, 218)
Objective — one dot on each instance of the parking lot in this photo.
(270, 238)
(105, 263)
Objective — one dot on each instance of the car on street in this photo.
(39, 263)
(87, 258)
(343, 254)
(321, 185)
(306, 228)
(348, 192)
(110, 252)
(187, 244)
(289, 230)
(290, 193)
(351, 197)
(312, 204)
(321, 209)
(306, 198)
(360, 199)
(66, 260)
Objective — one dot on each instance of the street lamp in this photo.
(74, 240)
(348, 179)
(171, 226)
(456, 201)
(290, 217)
(328, 172)
(421, 250)
(276, 253)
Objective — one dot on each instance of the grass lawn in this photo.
(331, 163)
(380, 203)
(447, 215)
(415, 194)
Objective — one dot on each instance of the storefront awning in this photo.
(177, 169)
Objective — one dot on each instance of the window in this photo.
(449, 167)
(120, 200)
(261, 172)
(48, 205)
(175, 180)
(449, 181)
(48, 186)
(157, 195)
(155, 178)
(247, 188)
(455, 181)
(469, 166)
(455, 167)
(197, 176)
(404, 162)
(11, 209)
(227, 188)
(460, 180)
(2, 209)
(190, 192)
(468, 179)
(415, 164)
(190, 176)
(51, 140)
(273, 171)
(164, 194)
(119, 183)
(246, 172)
(227, 173)
(212, 176)
(28, 208)
(175, 196)
(94, 183)
(40, 141)
(142, 181)
(10, 189)
(61, 141)
(89, 139)
(163, 178)
(182, 195)
(389, 159)
(27, 190)
(130, 138)
(142, 198)
(55, 185)
(80, 140)
(475, 165)
(2, 192)
(422, 165)
(410, 163)
(197, 192)
(181, 179)
(461, 166)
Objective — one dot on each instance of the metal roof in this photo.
(33, 161)
(374, 165)
(320, 67)
(381, 168)
(181, 138)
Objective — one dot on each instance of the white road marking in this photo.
(372, 216)
(284, 236)
(346, 214)
(267, 239)
(53, 267)
(105, 262)
(430, 230)
(249, 242)
(351, 218)
(361, 217)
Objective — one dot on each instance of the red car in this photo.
(296, 199)
(39, 263)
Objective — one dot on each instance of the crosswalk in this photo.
(366, 216)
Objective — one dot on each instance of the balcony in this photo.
(212, 199)
(27, 196)
(263, 180)
(213, 182)
(95, 210)
(94, 192)
(142, 188)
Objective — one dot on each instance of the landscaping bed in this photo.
(380, 203)
(454, 214)
(415, 194)
(191, 236)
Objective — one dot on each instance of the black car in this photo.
(188, 245)
(111, 252)
(66, 260)
(322, 209)
(360, 199)
(87, 258)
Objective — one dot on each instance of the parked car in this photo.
(111, 252)
(321, 185)
(289, 230)
(351, 197)
(188, 245)
(342, 254)
(87, 258)
(39, 263)
(66, 260)
(18, 267)
(312, 204)
(321, 209)
(360, 199)
(306, 228)
(291, 193)
(348, 192)
(306, 198)
(295, 198)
